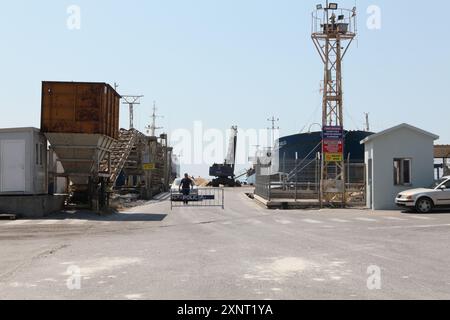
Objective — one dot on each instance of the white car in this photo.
(425, 200)
(175, 190)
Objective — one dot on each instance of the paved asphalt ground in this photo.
(242, 252)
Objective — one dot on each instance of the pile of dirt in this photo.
(200, 182)
(126, 201)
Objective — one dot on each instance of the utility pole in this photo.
(367, 122)
(131, 101)
(151, 129)
(274, 127)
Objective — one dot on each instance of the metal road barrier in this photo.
(199, 197)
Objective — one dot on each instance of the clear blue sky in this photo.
(228, 62)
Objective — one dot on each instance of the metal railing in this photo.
(201, 197)
(304, 184)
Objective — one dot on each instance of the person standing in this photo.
(185, 188)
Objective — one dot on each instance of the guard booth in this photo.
(397, 159)
(201, 197)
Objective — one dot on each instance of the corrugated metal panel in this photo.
(76, 107)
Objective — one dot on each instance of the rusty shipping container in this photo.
(80, 107)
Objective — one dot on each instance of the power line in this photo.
(131, 101)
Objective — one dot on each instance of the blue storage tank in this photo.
(304, 143)
(293, 149)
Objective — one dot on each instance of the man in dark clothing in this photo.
(185, 188)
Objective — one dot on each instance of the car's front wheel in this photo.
(424, 205)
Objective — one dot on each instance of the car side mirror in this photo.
(442, 188)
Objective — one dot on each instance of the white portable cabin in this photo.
(397, 159)
(23, 162)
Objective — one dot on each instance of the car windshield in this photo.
(438, 183)
(177, 182)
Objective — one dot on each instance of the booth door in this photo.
(12, 166)
(369, 184)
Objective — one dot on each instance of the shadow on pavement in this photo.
(435, 212)
(114, 217)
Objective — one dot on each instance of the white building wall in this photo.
(368, 155)
(39, 173)
(401, 143)
(35, 175)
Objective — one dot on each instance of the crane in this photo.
(224, 173)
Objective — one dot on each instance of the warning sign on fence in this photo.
(148, 166)
(333, 144)
(334, 157)
(332, 133)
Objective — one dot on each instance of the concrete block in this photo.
(36, 206)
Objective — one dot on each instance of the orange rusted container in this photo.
(80, 107)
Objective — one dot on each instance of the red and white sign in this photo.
(333, 146)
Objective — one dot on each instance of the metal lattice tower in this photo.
(272, 130)
(333, 31)
(151, 129)
(131, 101)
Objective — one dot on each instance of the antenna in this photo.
(151, 129)
(131, 101)
(273, 120)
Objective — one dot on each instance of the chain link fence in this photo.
(300, 180)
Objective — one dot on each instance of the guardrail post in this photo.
(223, 199)
(296, 186)
(270, 190)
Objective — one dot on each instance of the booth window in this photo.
(39, 153)
(402, 172)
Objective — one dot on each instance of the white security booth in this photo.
(23, 162)
(397, 159)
